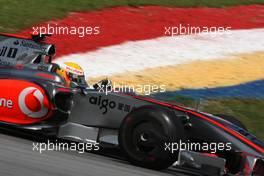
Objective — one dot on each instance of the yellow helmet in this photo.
(72, 73)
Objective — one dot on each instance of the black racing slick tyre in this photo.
(232, 120)
(147, 134)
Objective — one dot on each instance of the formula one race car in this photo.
(152, 134)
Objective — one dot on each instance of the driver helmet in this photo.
(72, 73)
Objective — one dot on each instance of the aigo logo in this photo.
(31, 103)
(105, 103)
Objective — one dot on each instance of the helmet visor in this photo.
(79, 79)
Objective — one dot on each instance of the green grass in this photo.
(248, 111)
(17, 14)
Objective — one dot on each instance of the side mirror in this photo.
(82, 89)
(74, 85)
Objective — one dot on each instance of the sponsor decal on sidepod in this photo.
(22, 102)
(24, 106)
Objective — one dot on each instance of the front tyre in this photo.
(145, 135)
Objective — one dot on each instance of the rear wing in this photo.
(15, 49)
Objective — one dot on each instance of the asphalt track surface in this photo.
(17, 158)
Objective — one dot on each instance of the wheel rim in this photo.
(146, 137)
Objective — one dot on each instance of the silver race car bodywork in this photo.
(140, 126)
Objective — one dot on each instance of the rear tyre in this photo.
(145, 133)
(232, 120)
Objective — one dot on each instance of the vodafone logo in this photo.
(31, 103)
